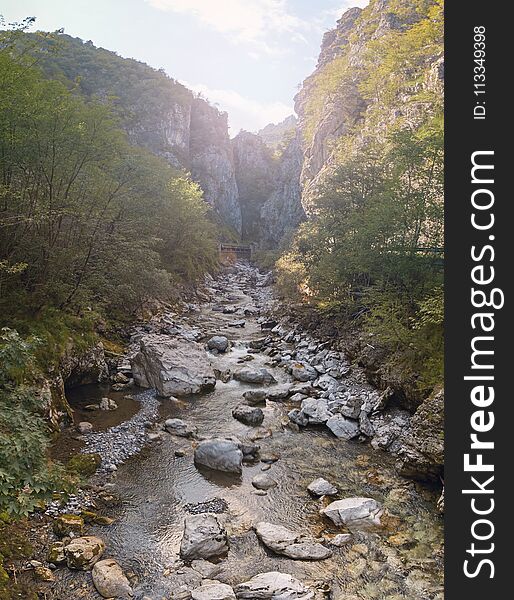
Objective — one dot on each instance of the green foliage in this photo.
(26, 477)
(372, 248)
(84, 465)
(89, 221)
(91, 225)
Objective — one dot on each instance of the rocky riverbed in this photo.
(256, 470)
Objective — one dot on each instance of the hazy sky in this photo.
(247, 56)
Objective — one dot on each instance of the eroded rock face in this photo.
(421, 444)
(203, 537)
(273, 586)
(353, 511)
(83, 552)
(288, 543)
(346, 107)
(220, 454)
(110, 581)
(212, 161)
(283, 212)
(85, 366)
(173, 366)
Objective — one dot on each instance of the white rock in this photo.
(213, 591)
(273, 586)
(84, 427)
(173, 366)
(322, 487)
(342, 427)
(110, 581)
(288, 543)
(203, 537)
(316, 410)
(353, 511)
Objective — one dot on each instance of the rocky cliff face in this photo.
(283, 212)
(331, 104)
(212, 161)
(269, 187)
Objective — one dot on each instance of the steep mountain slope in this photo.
(160, 114)
(380, 69)
(275, 134)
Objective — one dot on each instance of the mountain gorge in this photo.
(246, 181)
(117, 186)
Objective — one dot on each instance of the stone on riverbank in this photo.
(261, 376)
(273, 586)
(173, 366)
(321, 487)
(353, 511)
(255, 397)
(213, 591)
(83, 552)
(220, 454)
(261, 481)
(203, 537)
(302, 371)
(110, 581)
(288, 543)
(342, 427)
(66, 525)
(218, 342)
(249, 415)
(180, 428)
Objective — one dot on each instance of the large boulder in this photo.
(213, 591)
(220, 454)
(110, 581)
(257, 376)
(173, 366)
(342, 427)
(354, 512)
(218, 342)
(421, 444)
(249, 415)
(302, 371)
(315, 410)
(273, 586)
(203, 537)
(288, 543)
(83, 552)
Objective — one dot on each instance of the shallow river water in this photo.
(402, 559)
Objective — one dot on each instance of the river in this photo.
(158, 486)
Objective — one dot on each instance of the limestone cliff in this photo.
(282, 212)
(269, 187)
(212, 162)
(332, 104)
